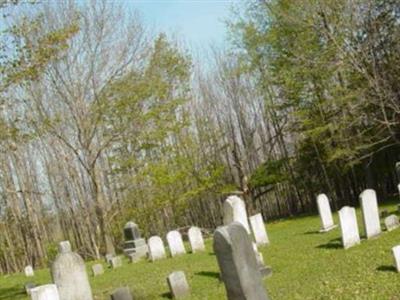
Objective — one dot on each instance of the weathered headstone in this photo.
(134, 243)
(116, 262)
(97, 269)
(28, 287)
(45, 292)
(196, 239)
(396, 254)
(237, 262)
(258, 229)
(67, 270)
(349, 227)
(235, 211)
(108, 258)
(392, 222)
(156, 248)
(325, 213)
(370, 211)
(122, 294)
(175, 243)
(29, 271)
(178, 285)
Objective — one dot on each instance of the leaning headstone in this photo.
(396, 254)
(258, 229)
(349, 227)
(392, 222)
(28, 287)
(134, 243)
(122, 294)
(237, 262)
(175, 243)
(45, 292)
(196, 239)
(29, 271)
(370, 211)
(97, 269)
(116, 262)
(67, 270)
(156, 248)
(178, 285)
(325, 213)
(235, 211)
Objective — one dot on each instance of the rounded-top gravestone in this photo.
(131, 231)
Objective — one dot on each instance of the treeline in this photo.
(103, 122)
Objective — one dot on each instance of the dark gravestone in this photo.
(135, 247)
(131, 231)
(237, 262)
(122, 294)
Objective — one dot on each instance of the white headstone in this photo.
(196, 239)
(45, 292)
(370, 211)
(97, 269)
(396, 254)
(235, 211)
(178, 285)
(258, 228)
(325, 213)
(29, 271)
(116, 262)
(349, 227)
(156, 248)
(392, 222)
(175, 243)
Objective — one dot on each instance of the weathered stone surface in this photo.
(237, 262)
(178, 285)
(29, 271)
(175, 243)
(258, 229)
(122, 294)
(97, 269)
(134, 244)
(131, 231)
(116, 262)
(69, 274)
(156, 248)
(325, 213)
(45, 292)
(108, 258)
(196, 239)
(235, 211)
(28, 287)
(396, 254)
(392, 222)
(349, 227)
(370, 212)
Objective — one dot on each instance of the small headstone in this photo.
(122, 294)
(64, 247)
(349, 227)
(133, 257)
(45, 292)
(196, 239)
(29, 271)
(384, 213)
(108, 258)
(134, 243)
(97, 269)
(235, 211)
(325, 213)
(258, 229)
(156, 248)
(392, 222)
(178, 285)
(237, 262)
(396, 254)
(370, 211)
(28, 287)
(175, 243)
(116, 262)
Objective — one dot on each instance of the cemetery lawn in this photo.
(306, 265)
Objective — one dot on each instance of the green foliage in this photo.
(268, 174)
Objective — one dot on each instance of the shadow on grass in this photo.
(11, 293)
(208, 274)
(166, 295)
(332, 244)
(312, 232)
(386, 269)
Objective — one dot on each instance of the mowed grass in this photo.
(306, 265)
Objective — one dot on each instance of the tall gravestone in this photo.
(235, 211)
(349, 227)
(237, 262)
(69, 275)
(396, 254)
(325, 213)
(175, 243)
(134, 244)
(196, 239)
(258, 229)
(45, 292)
(370, 212)
(156, 248)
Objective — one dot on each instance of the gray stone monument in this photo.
(69, 275)
(325, 213)
(175, 243)
(156, 248)
(116, 262)
(349, 227)
(370, 212)
(178, 285)
(396, 254)
(258, 229)
(196, 239)
(392, 222)
(235, 211)
(237, 262)
(97, 269)
(122, 294)
(29, 271)
(134, 243)
(45, 292)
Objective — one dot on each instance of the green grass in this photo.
(306, 265)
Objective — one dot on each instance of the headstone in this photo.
(67, 270)
(237, 262)
(29, 271)
(134, 243)
(370, 211)
(235, 211)
(122, 294)
(175, 243)
(28, 287)
(258, 229)
(325, 213)
(45, 292)
(196, 239)
(97, 269)
(392, 222)
(178, 285)
(156, 248)
(349, 227)
(108, 258)
(396, 254)
(116, 262)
